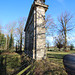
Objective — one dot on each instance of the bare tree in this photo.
(48, 45)
(0, 28)
(20, 31)
(10, 28)
(59, 41)
(50, 25)
(65, 25)
(2, 38)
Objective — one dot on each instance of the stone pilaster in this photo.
(35, 31)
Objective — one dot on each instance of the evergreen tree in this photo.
(71, 47)
(11, 42)
(7, 42)
(2, 40)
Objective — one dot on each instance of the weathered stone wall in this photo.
(41, 49)
(35, 32)
(29, 36)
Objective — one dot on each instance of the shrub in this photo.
(14, 62)
(1, 51)
(71, 47)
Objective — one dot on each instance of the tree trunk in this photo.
(21, 42)
(16, 47)
(59, 49)
(7, 42)
(65, 46)
(24, 43)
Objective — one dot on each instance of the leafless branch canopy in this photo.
(65, 22)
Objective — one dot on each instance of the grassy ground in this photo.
(58, 54)
(56, 58)
(9, 62)
(12, 62)
(51, 66)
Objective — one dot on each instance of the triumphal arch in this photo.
(35, 39)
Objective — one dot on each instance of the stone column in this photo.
(36, 25)
(40, 31)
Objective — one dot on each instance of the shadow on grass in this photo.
(57, 56)
(25, 61)
(2, 65)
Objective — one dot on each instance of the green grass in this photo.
(12, 62)
(58, 54)
(9, 62)
(56, 58)
(54, 65)
(24, 70)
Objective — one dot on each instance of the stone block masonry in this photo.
(35, 39)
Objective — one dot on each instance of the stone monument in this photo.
(35, 39)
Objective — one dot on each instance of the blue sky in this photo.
(12, 10)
